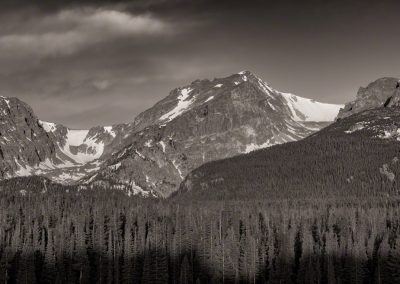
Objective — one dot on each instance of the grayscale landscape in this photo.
(199, 141)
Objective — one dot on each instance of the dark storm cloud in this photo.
(84, 63)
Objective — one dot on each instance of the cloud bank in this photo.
(77, 30)
(98, 62)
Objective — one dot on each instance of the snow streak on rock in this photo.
(183, 104)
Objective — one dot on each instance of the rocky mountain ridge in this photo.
(204, 121)
(29, 146)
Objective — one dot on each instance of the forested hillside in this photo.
(81, 237)
(322, 210)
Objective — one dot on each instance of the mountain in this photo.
(376, 94)
(29, 146)
(355, 156)
(204, 121)
(80, 152)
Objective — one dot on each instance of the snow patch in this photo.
(252, 147)
(178, 169)
(91, 179)
(115, 166)
(22, 171)
(181, 107)
(136, 189)
(209, 99)
(76, 137)
(243, 75)
(304, 109)
(163, 145)
(140, 155)
(48, 126)
(122, 153)
(109, 130)
(271, 106)
(218, 86)
(265, 87)
(93, 150)
(47, 165)
(356, 127)
(148, 143)
(6, 100)
(390, 133)
(69, 176)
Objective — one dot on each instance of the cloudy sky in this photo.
(85, 63)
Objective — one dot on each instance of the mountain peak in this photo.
(204, 121)
(245, 72)
(247, 75)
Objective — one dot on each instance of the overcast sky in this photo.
(86, 63)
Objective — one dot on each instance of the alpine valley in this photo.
(202, 122)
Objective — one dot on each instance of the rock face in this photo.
(202, 122)
(205, 121)
(394, 101)
(376, 94)
(23, 141)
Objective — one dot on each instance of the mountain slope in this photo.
(357, 155)
(205, 121)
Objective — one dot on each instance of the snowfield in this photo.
(78, 138)
(310, 109)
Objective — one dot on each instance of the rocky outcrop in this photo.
(376, 94)
(394, 101)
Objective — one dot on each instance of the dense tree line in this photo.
(55, 236)
(320, 166)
